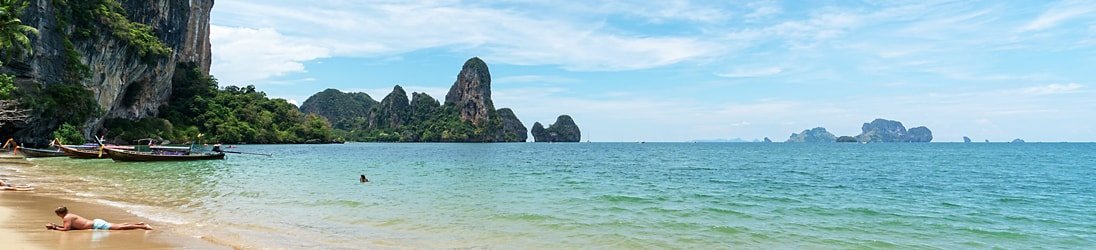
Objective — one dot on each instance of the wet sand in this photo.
(24, 214)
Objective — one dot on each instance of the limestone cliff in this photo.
(393, 112)
(126, 84)
(471, 93)
(512, 129)
(539, 134)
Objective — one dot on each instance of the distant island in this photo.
(467, 115)
(876, 131)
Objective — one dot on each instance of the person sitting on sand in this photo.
(363, 179)
(75, 222)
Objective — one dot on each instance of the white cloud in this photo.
(1058, 14)
(533, 79)
(245, 55)
(762, 10)
(1051, 89)
(751, 73)
(324, 29)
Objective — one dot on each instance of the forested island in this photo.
(467, 115)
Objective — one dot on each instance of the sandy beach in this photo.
(25, 213)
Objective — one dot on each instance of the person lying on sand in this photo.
(8, 187)
(75, 222)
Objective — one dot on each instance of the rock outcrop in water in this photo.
(883, 130)
(1017, 140)
(127, 81)
(512, 129)
(563, 130)
(918, 134)
(815, 135)
(966, 139)
(767, 140)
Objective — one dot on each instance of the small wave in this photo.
(949, 204)
(339, 203)
(995, 233)
(721, 181)
(1012, 200)
(144, 211)
(726, 212)
(729, 229)
(525, 217)
(623, 199)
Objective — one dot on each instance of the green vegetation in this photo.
(72, 103)
(441, 125)
(13, 33)
(90, 17)
(7, 86)
(13, 40)
(228, 115)
(69, 134)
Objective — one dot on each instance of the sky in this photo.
(679, 70)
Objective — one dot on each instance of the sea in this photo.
(611, 195)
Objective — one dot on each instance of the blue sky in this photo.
(683, 70)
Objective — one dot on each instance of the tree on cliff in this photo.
(13, 41)
(13, 33)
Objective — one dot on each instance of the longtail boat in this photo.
(163, 154)
(40, 153)
(89, 151)
(79, 152)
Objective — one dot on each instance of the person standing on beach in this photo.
(76, 222)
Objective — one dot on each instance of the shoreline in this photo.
(25, 213)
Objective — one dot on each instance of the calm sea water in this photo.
(615, 195)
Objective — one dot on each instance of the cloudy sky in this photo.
(679, 70)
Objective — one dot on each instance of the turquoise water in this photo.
(615, 195)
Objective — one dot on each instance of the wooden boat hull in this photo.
(126, 155)
(40, 153)
(84, 154)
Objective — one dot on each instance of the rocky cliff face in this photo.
(468, 114)
(394, 111)
(471, 93)
(423, 107)
(512, 129)
(918, 134)
(883, 130)
(337, 106)
(814, 135)
(125, 84)
(539, 134)
(563, 130)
